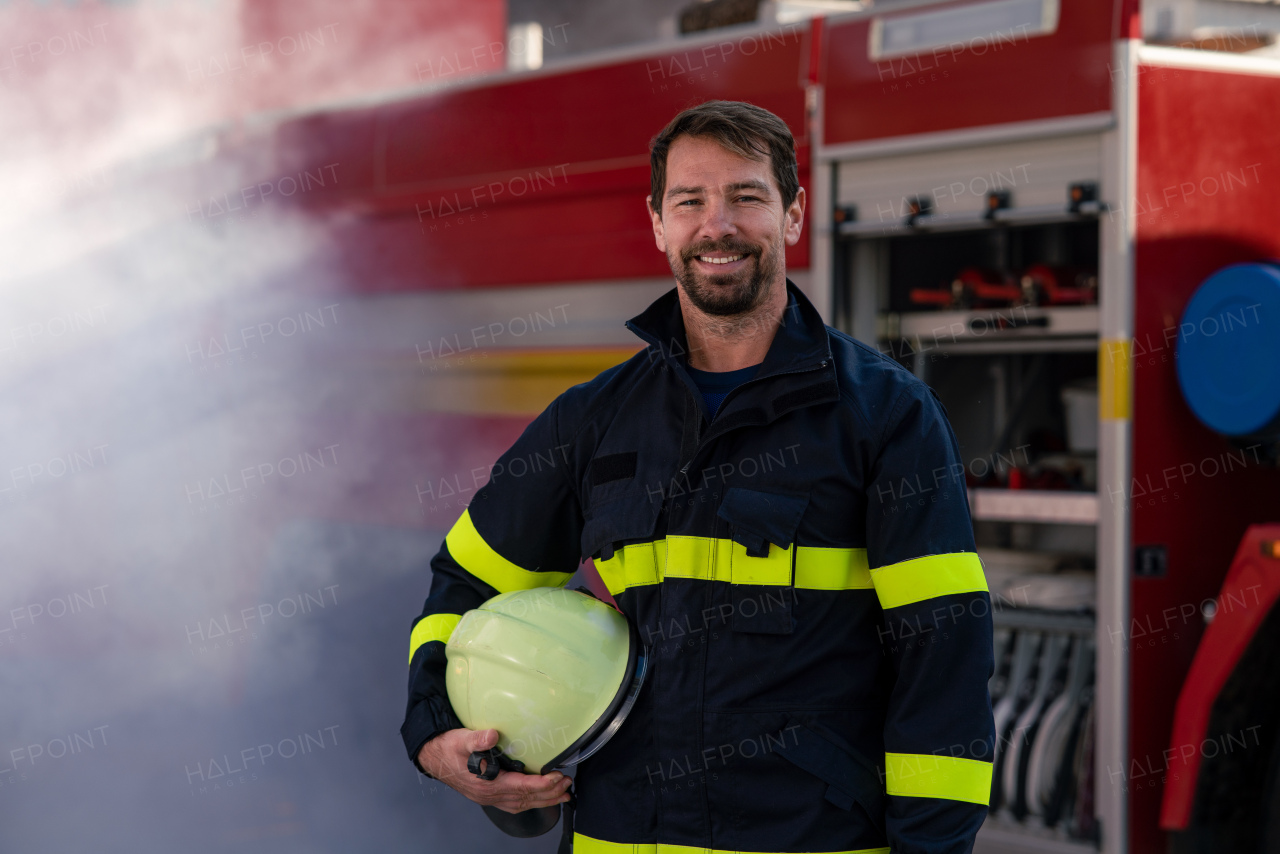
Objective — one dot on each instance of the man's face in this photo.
(723, 226)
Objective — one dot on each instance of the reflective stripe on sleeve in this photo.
(436, 627)
(587, 845)
(928, 577)
(950, 778)
(720, 559)
(477, 557)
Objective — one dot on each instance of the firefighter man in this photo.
(781, 512)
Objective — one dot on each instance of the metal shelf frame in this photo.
(968, 221)
(968, 326)
(1031, 505)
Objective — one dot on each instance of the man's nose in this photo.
(717, 220)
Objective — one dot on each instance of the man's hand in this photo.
(445, 758)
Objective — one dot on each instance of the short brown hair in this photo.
(745, 129)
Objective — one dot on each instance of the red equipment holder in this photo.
(971, 288)
(1045, 285)
(1254, 578)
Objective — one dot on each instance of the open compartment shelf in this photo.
(1011, 377)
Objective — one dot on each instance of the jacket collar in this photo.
(799, 344)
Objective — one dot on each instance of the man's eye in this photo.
(687, 202)
(748, 198)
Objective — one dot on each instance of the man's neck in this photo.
(732, 343)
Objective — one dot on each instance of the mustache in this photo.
(736, 247)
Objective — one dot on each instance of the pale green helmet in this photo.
(554, 671)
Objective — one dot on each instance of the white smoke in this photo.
(196, 562)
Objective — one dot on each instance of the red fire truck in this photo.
(1019, 199)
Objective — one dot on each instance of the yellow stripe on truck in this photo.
(1115, 379)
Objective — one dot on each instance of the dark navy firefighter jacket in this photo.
(802, 570)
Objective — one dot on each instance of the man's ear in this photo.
(794, 221)
(659, 233)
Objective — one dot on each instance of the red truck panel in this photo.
(531, 179)
(1007, 78)
(1206, 140)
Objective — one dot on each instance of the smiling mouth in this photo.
(707, 259)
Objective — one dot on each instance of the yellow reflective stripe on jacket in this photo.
(928, 577)
(587, 845)
(436, 627)
(719, 559)
(703, 558)
(477, 557)
(832, 569)
(951, 778)
(631, 566)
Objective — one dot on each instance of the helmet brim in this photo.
(615, 715)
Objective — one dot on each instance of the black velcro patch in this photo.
(612, 467)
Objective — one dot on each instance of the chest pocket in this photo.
(629, 515)
(763, 527)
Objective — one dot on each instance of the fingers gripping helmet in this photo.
(554, 671)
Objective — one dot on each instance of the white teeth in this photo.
(720, 260)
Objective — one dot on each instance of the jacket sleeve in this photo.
(521, 530)
(939, 733)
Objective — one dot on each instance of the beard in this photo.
(724, 295)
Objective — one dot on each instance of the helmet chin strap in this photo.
(494, 761)
(486, 764)
(566, 832)
(529, 823)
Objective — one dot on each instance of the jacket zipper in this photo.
(699, 447)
